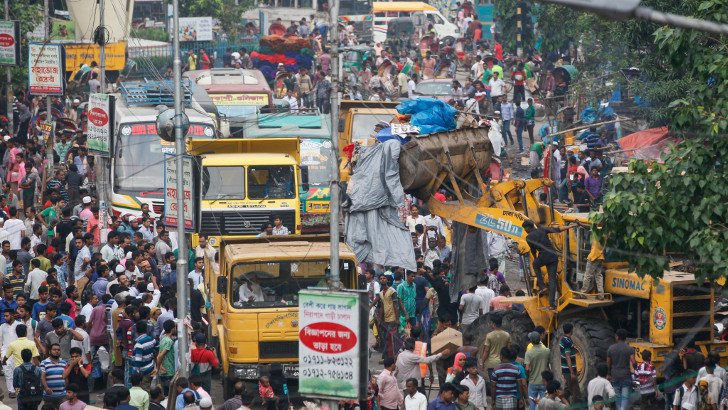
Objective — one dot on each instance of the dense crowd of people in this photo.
(501, 374)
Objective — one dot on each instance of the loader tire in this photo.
(516, 324)
(592, 338)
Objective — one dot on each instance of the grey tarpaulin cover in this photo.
(469, 257)
(374, 229)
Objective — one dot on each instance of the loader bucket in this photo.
(425, 156)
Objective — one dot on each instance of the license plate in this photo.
(290, 370)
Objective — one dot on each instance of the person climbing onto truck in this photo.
(544, 254)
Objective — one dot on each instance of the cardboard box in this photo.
(449, 339)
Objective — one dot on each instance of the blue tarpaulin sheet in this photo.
(429, 114)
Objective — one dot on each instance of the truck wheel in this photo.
(516, 324)
(592, 338)
(474, 335)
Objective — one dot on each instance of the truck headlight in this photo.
(246, 371)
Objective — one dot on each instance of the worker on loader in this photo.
(544, 254)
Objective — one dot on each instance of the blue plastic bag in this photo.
(429, 114)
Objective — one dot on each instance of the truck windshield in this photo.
(223, 183)
(276, 283)
(362, 126)
(271, 182)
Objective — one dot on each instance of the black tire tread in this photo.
(515, 323)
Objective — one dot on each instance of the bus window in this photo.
(379, 14)
(392, 14)
(437, 19)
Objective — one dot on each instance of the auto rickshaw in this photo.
(562, 78)
(353, 57)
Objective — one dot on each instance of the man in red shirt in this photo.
(203, 361)
(498, 51)
(519, 83)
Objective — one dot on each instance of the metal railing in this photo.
(160, 57)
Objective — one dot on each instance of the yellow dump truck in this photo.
(256, 302)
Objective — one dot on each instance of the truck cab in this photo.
(246, 184)
(256, 299)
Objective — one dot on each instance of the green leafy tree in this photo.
(30, 16)
(229, 12)
(678, 209)
(506, 14)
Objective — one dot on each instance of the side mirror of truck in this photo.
(304, 179)
(222, 285)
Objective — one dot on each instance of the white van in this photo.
(382, 12)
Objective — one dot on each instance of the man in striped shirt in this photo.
(506, 382)
(143, 358)
(54, 384)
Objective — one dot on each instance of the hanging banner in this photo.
(9, 42)
(332, 344)
(63, 31)
(100, 120)
(195, 29)
(77, 54)
(45, 69)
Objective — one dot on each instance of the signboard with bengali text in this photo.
(195, 29)
(77, 54)
(191, 201)
(45, 69)
(100, 120)
(333, 334)
(239, 99)
(9, 42)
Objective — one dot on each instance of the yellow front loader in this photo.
(657, 314)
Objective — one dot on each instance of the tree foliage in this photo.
(229, 12)
(30, 16)
(678, 208)
(506, 14)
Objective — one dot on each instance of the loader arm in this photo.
(505, 222)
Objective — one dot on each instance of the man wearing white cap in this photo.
(73, 110)
(205, 403)
(118, 272)
(85, 213)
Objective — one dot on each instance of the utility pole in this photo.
(50, 143)
(8, 73)
(102, 47)
(179, 142)
(334, 204)
(102, 162)
(519, 24)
